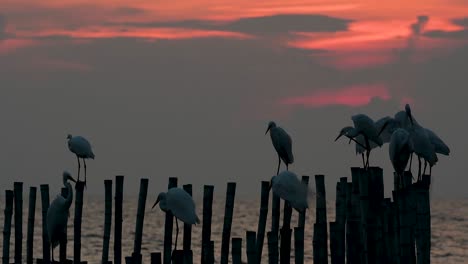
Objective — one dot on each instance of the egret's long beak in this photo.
(341, 134)
(350, 139)
(268, 129)
(383, 128)
(155, 203)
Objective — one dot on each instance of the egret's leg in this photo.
(84, 161)
(430, 170)
(368, 151)
(52, 249)
(363, 160)
(287, 166)
(79, 167)
(177, 232)
(279, 163)
(410, 161)
(367, 162)
(419, 168)
(424, 172)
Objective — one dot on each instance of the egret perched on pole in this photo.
(400, 151)
(180, 204)
(57, 214)
(282, 143)
(289, 188)
(81, 147)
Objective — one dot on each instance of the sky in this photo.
(186, 88)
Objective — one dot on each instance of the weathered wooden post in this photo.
(236, 250)
(275, 219)
(107, 220)
(285, 249)
(302, 215)
(364, 205)
(156, 258)
(353, 223)
(79, 187)
(405, 228)
(63, 242)
(31, 218)
(423, 221)
(340, 226)
(299, 245)
(334, 243)
(7, 226)
(136, 256)
(374, 217)
(251, 247)
(272, 248)
(207, 214)
(18, 191)
(45, 237)
(265, 195)
(168, 226)
(119, 181)
(228, 213)
(187, 248)
(320, 227)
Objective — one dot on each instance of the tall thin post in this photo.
(45, 237)
(188, 254)
(79, 187)
(272, 248)
(302, 215)
(207, 214)
(107, 221)
(374, 216)
(140, 219)
(265, 195)
(236, 250)
(334, 243)
(340, 226)
(320, 227)
(275, 218)
(424, 221)
(285, 250)
(63, 241)
(31, 218)
(18, 190)
(251, 247)
(353, 223)
(156, 258)
(299, 245)
(7, 226)
(168, 226)
(119, 180)
(228, 213)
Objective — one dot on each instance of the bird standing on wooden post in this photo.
(282, 143)
(289, 188)
(180, 204)
(57, 214)
(400, 151)
(81, 147)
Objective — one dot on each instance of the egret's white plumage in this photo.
(289, 188)
(400, 150)
(439, 145)
(282, 143)
(57, 214)
(81, 147)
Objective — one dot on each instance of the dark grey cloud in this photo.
(418, 27)
(129, 11)
(3, 33)
(458, 34)
(461, 21)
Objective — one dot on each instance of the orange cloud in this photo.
(11, 45)
(356, 95)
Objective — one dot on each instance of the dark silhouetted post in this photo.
(107, 220)
(275, 219)
(168, 226)
(45, 238)
(207, 214)
(31, 217)
(228, 213)
(187, 247)
(251, 247)
(320, 236)
(210, 255)
(364, 205)
(236, 250)
(302, 215)
(285, 250)
(18, 191)
(353, 223)
(265, 195)
(156, 258)
(140, 220)
(374, 217)
(178, 257)
(7, 226)
(272, 248)
(334, 243)
(340, 226)
(79, 187)
(119, 180)
(63, 242)
(424, 221)
(299, 245)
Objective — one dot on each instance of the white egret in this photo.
(400, 151)
(180, 204)
(81, 147)
(57, 214)
(289, 188)
(282, 143)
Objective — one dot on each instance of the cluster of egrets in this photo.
(403, 133)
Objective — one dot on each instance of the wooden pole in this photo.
(340, 226)
(156, 258)
(7, 226)
(79, 188)
(275, 218)
(334, 243)
(107, 221)
(265, 195)
(168, 226)
(236, 250)
(424, 221)
(299, 245)
(302, 215)
(272, 248)
(405, 229)
(251, 247)
(210, 255)
(31, 218)
(374, 215)
(320, 227)
(140, 220)
(207, 214)
(353, 223)
(63, 242)
(285, 249)
(18, 191)
(395, 225)
(188, 254)
(228, 213)
(45, 237)
(364, 205)
(119, 181)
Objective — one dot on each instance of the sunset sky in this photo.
(186, 88)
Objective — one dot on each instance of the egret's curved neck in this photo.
(69, 199)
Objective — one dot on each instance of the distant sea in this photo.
(449, 229)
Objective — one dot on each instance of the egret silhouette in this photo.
(282, 143)
(180, 204)
(57, 214)
(400, 151)
(81, 147)
(289, 188)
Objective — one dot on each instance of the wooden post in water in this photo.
(272, 248)
(364, 205)
(251, 247)
(45, 237)
(7, 226)
(107, 220)
(353, 223)
(285, 249)
(299, 245)
(31, 218)
(423, 221)
(63, 242)
(79, 187)
(374, 217)
(119, 180)
(228, 213)
(340, 226)
(302, 215)
(236, 250)
(265, 195)
(405, 229)
(136, 256)
(320, 227)
(207, 214)
(18, 191)
(156, 258)
(210, 256)
(334, 243)
(395, 225)
(188, 254)
(168, 226)
(275, 218)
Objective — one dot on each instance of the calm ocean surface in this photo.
(449, 229)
